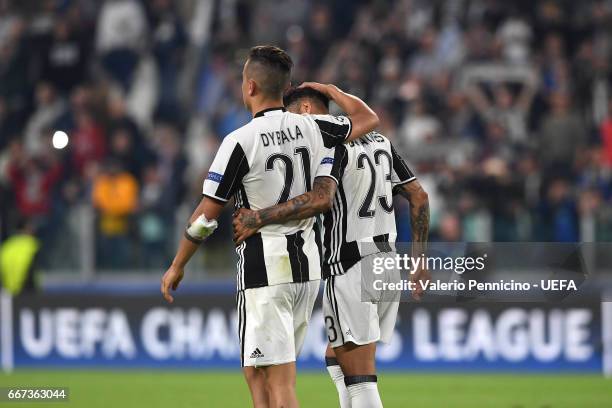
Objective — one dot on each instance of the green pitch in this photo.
(151, 389)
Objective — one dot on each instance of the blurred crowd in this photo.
(503, 109)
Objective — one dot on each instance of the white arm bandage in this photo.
(200, 229)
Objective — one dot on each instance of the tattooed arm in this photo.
(419, 212)
(419, 221)
(319, 200)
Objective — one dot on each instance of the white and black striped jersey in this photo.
(362, 216)
(270, 160)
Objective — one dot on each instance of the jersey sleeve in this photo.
(334, 129)
(227, 170)
(333, 163)
(400, 172)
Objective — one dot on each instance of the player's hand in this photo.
(245, 223)
(420, 278)
(171, 279)
(324, 89)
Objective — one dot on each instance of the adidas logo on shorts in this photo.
(257, 353)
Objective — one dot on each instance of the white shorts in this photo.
(273, 320)
(348, 318)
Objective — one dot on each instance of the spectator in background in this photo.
(10, 124)
(115, 197)
(562, 135)
(555, 74)
(13, 60)
(65, 59)
(88, 144)
(233, 113)
(171, 166)
(605, 132)
(418, 127)
(120, 38)
(33, 180)
(80, 101)
(595, 214)
(49, 107)
(479, 43)
(515, 35)
(512, 112)
(127, 152)
(558, 217)
(449, 228)
(319, 30)
(42, 22)
(461, 119)
(18, 260)
(155, 221)
(169, 43)
(505, 109)
(500, 192)
(426, 63)
(132, 148)
(390, 70)
(118, 115)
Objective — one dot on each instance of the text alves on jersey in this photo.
(372, 137)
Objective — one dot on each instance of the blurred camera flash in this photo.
(60, 139)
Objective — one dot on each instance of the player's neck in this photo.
(258, 106)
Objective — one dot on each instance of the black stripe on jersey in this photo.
(349, 251)
(382, 242)
(339, 255)
(400, 167)
(332, 235)
(253, 263)
(240, 198)
(317, 232)
(240, 201)
(240, 266)
(239, 249)
(334, 134)
(241, 323)
(237, 167)
(343, 215)
(243, 197)
(297, 257)
(328, 224)
(239, 315)
(340, 162)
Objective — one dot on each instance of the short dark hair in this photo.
(275, 76)
(294, 94)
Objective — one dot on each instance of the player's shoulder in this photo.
(243, 135)
(328, 117)
(299, 117)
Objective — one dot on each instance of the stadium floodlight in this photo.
(60, 139)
